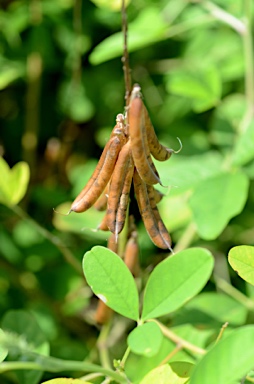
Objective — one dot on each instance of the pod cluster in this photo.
(127, 159)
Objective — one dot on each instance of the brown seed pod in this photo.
(102, 173)
(139, 143)
(159, 151)
(101, 203)
(131, 254)
(150, 214)
(119, 189)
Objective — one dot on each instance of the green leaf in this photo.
(174, 373)
(149, 27)
(112, 5)
(75, 103)
(212, 309)
(13, 182)
(202, 85)
(111, 280)
(241, 259)
(176, 280)
(3, 349)
(232, 357)
(28, 337)
(216, 201)
(145, 339)
(64, 380)
(244, 149)
(187, 172)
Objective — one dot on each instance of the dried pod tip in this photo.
(63, 214)
(181, 146)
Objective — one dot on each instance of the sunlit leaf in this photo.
(174, 373)
(112, 5)
(232, 357)
(176, 280)
(241, 259)
(111, 280)
(3, 349)
(13, 182)
(216, 201)
(202, 85)
(145, 339)
(149, 27)
(29, 337)
(244, 149)
(64, 380)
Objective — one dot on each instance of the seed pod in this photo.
(102, 173)
(150, 214)
(139, 144)
(131, 254)
(119, 189)
(101, 203)
(159, 151)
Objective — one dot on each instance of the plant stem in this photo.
(224, 326)
(186, 238)
(125, 58)
(224, 16)
(233, 292)
(102, 345)
(51, 364)
(124, 358)
(249, 66)
(67, 254)
(178, 340)
(171, 354)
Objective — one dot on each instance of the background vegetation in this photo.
(62, 85)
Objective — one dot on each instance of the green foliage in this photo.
(230, 365)
(145, 340)
(14, 182)
(187, 271)
(62, 85)
(111, 281)
(241, 259)
(175, 373)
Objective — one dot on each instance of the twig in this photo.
(234, 293)
(125, 58)
(177, 348)
(224, 326)
(102, 345)
(178, 340)
(186, 238)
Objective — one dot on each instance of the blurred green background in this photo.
(61, 87)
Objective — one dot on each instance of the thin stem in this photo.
(249, 66)
(224, 16)
(224, 326)
(125, 58)
(178, 348)
(124, 358)
(233, 292)
(67, 254)
(186, 238)
(250, 379)
(102, 345)
(178, 340)
(52, 364)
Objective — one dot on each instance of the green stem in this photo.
(226, 17)
(178, 340)
(102, 345)
(67, 254)
(186, 238)
(249, 66)
(234, 293)
(51, 364)
(124, 358)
